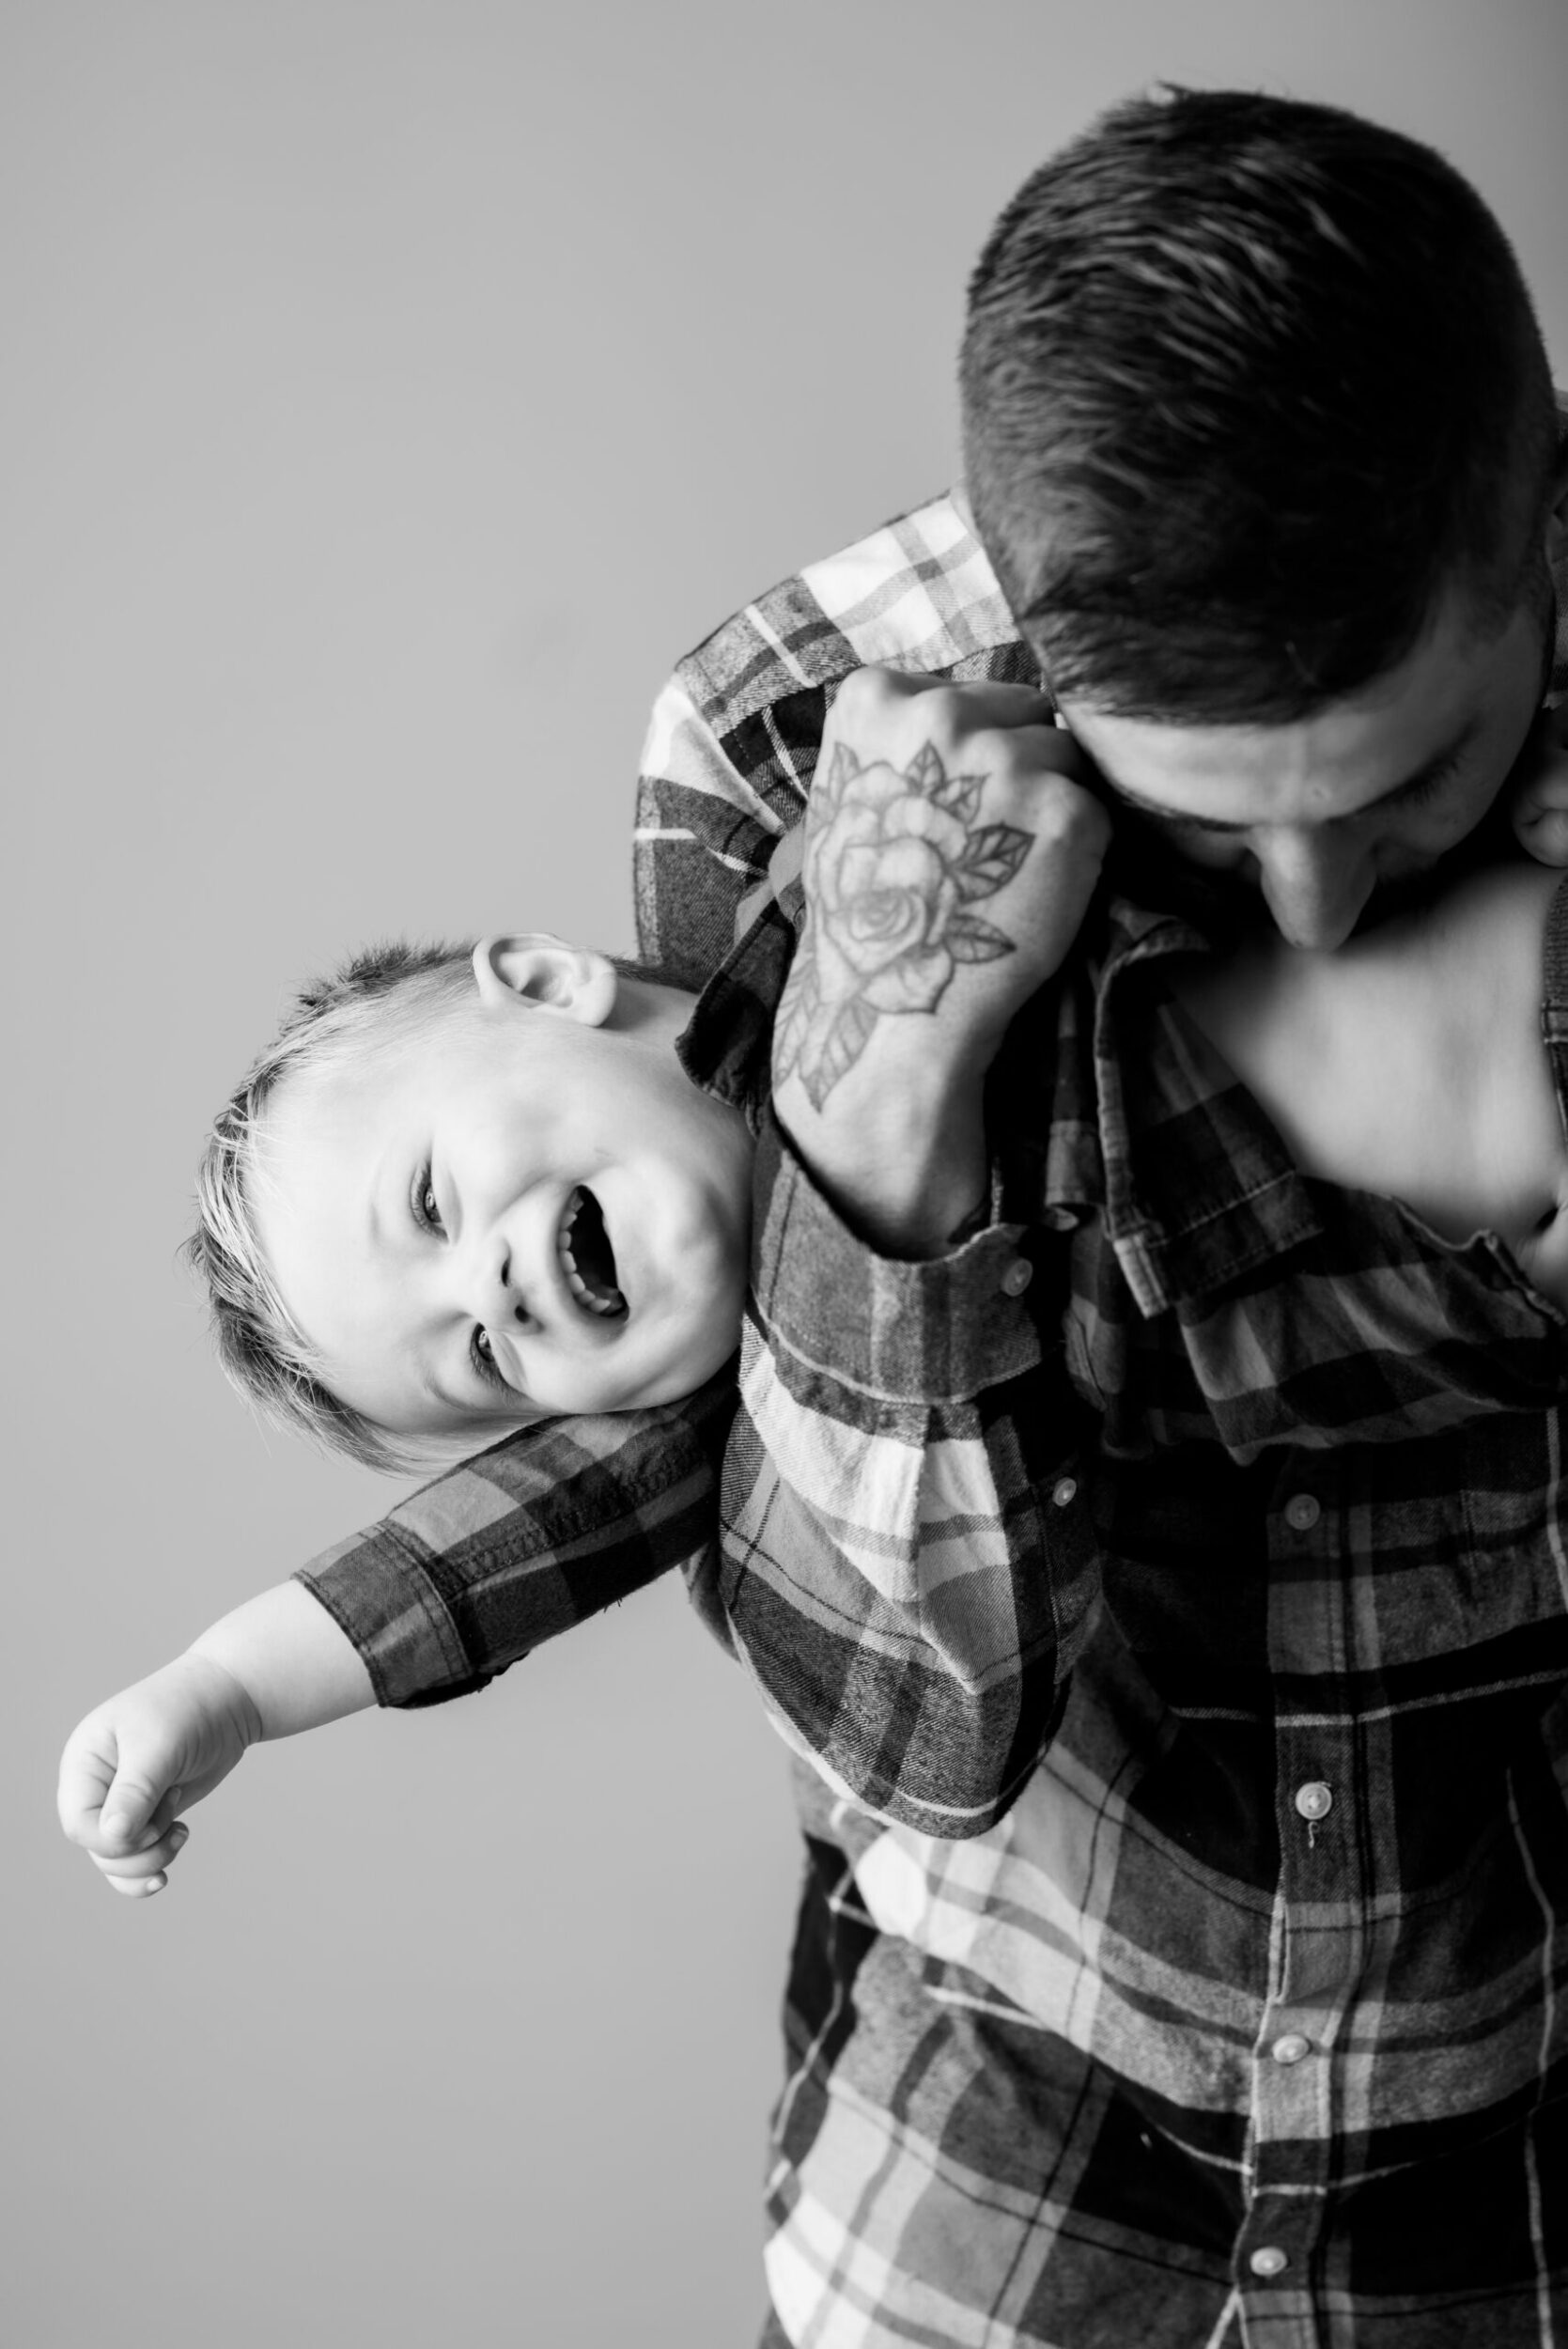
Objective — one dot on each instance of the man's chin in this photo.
(1246, 918)
(1226, 904)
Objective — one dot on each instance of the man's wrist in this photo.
(904, 1163)
(941, 1326)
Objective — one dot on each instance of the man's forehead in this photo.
(1388, 739)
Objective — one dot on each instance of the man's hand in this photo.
(1539, 796)
(951, 850)
(154, 1749)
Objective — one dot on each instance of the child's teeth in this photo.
(615, 1303)
(581, 1290)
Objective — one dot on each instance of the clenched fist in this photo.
(952, 845)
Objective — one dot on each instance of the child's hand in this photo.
(152, 1750)
(1539, 799)
(951, 847)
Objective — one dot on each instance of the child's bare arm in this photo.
(276, 1665)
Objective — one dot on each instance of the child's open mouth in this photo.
(586, 1256)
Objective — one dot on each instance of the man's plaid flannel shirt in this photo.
(1167, 1594)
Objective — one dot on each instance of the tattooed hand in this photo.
(950, 849)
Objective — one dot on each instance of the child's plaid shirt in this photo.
(1168, 1597)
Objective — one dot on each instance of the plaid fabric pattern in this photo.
(1166, 1596)
(520, 1543)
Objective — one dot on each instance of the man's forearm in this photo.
(297, 1668)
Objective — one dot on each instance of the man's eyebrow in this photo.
(1427, 772)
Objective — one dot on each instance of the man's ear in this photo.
(533, 968)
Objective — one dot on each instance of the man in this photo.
(1153, 1557)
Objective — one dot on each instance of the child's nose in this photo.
(496, 1294)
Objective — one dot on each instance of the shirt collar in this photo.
(1198, 1189)
(726, 1047)
(1136, 1118)
(1104, 1101)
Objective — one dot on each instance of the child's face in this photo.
(523, 1208)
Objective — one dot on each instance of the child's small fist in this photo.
(137, 1874)
(157, 1746)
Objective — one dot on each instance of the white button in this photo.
(1302, 1513)
(1290, 2047)
(1270, 2261)
(1018, 1277)
(1064, 1490)
(1314, 1800)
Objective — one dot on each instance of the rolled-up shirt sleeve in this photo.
(520, 1543)
(907, 1564)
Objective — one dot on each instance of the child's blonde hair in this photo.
(377, 997)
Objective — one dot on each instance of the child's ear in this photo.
(534, 968)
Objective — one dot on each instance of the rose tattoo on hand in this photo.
(893, 863)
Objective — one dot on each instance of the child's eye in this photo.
(483, 1357)
(425, 1212)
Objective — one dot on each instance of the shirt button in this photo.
(1314, 1800)
(1018, 1276)
(1291, 2048)
(1270, 2261)
(1302, 1513)
(1064, 1490)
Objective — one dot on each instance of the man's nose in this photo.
(1314, 884)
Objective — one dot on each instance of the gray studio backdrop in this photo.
(390, 394)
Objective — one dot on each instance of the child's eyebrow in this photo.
(1428, 772)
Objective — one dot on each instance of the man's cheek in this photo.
(1424, 835)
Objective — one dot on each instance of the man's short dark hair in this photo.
(1247, 384)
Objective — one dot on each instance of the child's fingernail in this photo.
(155, 1884)
(177, 1833)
